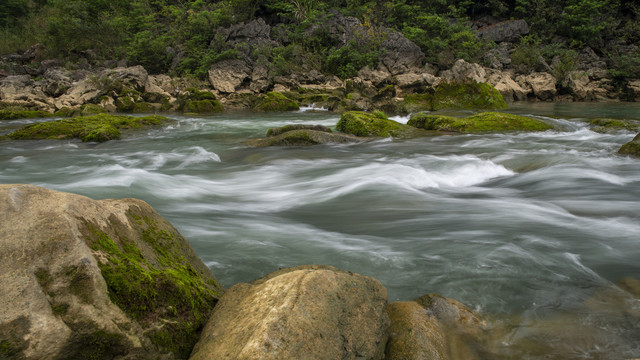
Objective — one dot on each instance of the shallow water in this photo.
(527, 227)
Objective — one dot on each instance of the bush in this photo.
(345, 62)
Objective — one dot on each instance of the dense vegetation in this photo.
(179, 36)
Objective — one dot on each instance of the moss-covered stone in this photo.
(203, 106)
(286, 128)
(610, 125)
(457, 96)
(372, 124)
(160, 283)
(97, 128)
(125, 104)
(478, 123)
(632, 147)
(90, 109)
(6, 114)
(305, 137)
(143, 107)
(275, 101)
(64, 112)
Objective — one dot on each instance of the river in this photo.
(532, 228)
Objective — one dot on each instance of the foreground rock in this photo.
(307, 312)
(374, 124)
(434, 327)
(85, 279)
(97, 128)
(632, 147)
(478, 123)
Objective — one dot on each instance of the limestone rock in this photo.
(400, 54)
(22, 89)
(634, 86)
(134, 77)
(378, 77)
(463, 72)
(254, 33)
(414, 80)
(307, 312)
(510, 30)
(56, 81)
(96, 279)
(507, 86)
(227, 76)
(543, 85)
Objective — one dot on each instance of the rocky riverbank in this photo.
(31, 82)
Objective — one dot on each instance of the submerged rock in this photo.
(284, 129)
(376, 124)
(85, 279)
(98, 128)
(478, 123)
(632, 147)
(434, 327)
(306, 312)
(610, 125)
(305, 138)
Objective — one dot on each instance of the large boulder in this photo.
(228, 75)
(435, 327)
(85, 279)
(376, 124)
(457, 96)
(632, 147)
(133, 77)
(399, 54)
(254, 33)
(507, 86)
(478, 123)
(542, 84)
(463, 72)
(22, 89)
(510, 30)
(307, 312)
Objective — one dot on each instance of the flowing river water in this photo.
(533, 229)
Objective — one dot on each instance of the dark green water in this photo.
(530, 228)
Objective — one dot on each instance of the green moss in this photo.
(456, 96)
(60, 309)
(91, 109)
(167, 287)
(96, 345)
(370, 124)
(97, 128)
(143, 107)
(43, 277)
(64, 112)
(609, 125)
(479, 123)
(22, 114)
(275, 101)
(125, 104)
(80, 283)
(203, 106)
(388, 91)
(631, 148)
(287, 128)
(9, 349)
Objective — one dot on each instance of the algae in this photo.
(364, 124)
(7, 114)
(195, 101)
(96, 128)
(275, 101)
(478, 123)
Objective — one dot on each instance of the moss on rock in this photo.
(275, 101)
(610, 125)
(195, 101)
(7, 114)
(125, 104)
(284, 129)
(305, 137)
(97, 128)
(360, 123)
(632, 147)
(90, 109)
(478, 123)
(457, 96)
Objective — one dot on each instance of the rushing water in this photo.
(533, 228)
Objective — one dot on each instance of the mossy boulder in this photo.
(632, 147)
(6, 114)
(284, 129)
(611, 125)
(305, 137)
(478, 123)
(196, 101)
(144, 107)
(125, 104)
(85, 279)
(90, 109)
(374, 124)
(480, 96)
(275, 101)
(96, 128)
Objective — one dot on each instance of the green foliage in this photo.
(149, 50)
(10, 10)
(626, 65)
(345, 62)
(526, 54)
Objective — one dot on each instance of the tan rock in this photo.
(464, 72)
(228, 75)
(543, 85)
(307, 312)
(62, 294)
(507, 86)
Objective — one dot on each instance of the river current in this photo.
(533, 229)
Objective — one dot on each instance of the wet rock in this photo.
(631, 148)
(307, 312)
(372, 124)
(435, 327)
(478, 123)
(284, 129)
(510, 30)
(613, 125)
(85, 279)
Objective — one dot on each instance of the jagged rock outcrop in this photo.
(399, 54)
(85, 279)
(306, 312)
(503, 82)
(542, 84)
(463, 72)
(510, 30)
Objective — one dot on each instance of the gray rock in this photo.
(228, 75)
(307, 312)
(399, 54)
(95, 279)
(134, 77)
(463, 72)
(510, 30)
(254, 33)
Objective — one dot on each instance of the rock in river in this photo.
(85, 279)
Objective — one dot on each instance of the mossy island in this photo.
(479, 123)
(95, 128)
